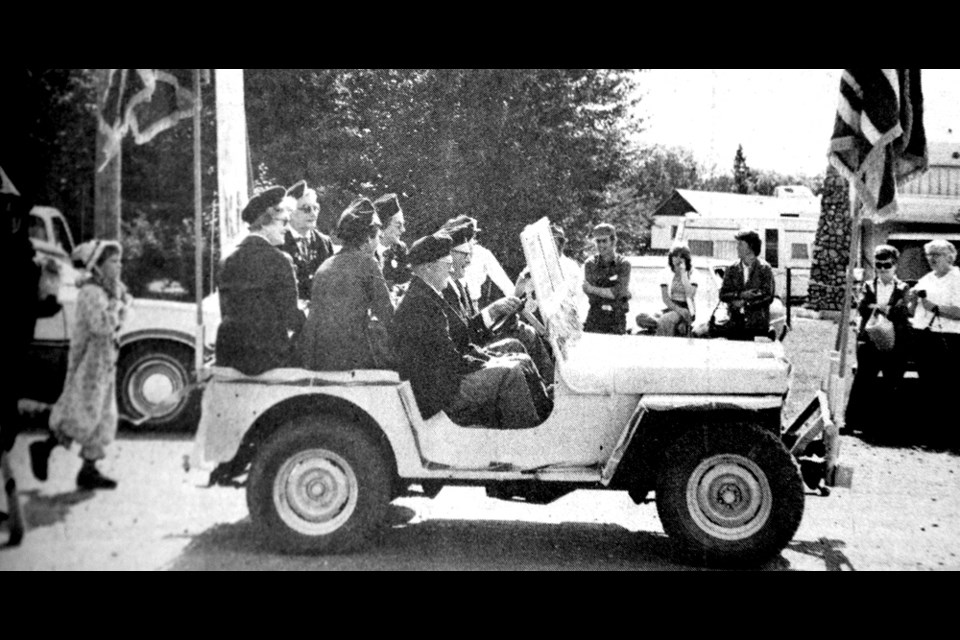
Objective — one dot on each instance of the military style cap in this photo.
(259, 203)
(460, 233)
(297, 190)
(356, 218)
(430, 248)
(387, 205)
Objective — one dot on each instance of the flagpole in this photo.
(843, 333)
(197, 224)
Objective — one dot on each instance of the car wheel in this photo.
(730, 494)
(152, 377)
(319, 485)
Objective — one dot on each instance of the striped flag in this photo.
(142, 102)
(878, 137)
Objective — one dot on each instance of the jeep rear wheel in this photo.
(319, 485)
(730, 494)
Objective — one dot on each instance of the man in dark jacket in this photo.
(258, 291)
(748, 289)
(472, 392)
(303, 241)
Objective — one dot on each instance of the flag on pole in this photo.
(878, 137)
(6, 186)
(143, 103)
(232, 186)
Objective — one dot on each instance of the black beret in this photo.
(459, 233)
(387, 205)
(259, 203)
(356, 218)
(296, 191)
(430, 248)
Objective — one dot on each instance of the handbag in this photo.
(881, 333)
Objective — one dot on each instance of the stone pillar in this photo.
(831, 249)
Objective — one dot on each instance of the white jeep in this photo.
(698, 422)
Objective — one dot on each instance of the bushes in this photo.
(163, 249)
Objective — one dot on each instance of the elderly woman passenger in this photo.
(678, 286)
(350, 303)
(936, 324)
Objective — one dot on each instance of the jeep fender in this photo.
(234, 406)
(688, 405)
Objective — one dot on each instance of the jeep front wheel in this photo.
(729, 494)
(319, 485)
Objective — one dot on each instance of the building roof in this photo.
(944, 154)
(716, 204)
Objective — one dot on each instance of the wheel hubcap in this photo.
(315, 492)
(729, 497)
(153, 387)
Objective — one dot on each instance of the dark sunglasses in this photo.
(883, 265)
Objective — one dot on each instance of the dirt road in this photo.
(903, 513)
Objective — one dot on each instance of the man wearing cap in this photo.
(392, 251)
(258, 291)
(607, 284)
(473, 325)
(493, 393)
(748, 289)
(350, 307)
(484, 275)
(303, 241)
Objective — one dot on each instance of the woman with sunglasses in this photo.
(884, 295)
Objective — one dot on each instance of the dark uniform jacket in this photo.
(899, 313)
(426, 355)
(466, 324)
(608, 316)
(395, 264)
(757, 294)
(308, 252)
(258, 305)
(348, 291)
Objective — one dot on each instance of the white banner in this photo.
(232, 186)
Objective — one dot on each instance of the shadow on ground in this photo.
(461, 545)
(827, 550)
(47, 510)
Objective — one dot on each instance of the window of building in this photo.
(701, 248)
(673, 231)
(799, 251)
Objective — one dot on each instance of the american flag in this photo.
(142, 102)
(878, 136)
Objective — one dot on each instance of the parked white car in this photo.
(156, 362)
(697, 422)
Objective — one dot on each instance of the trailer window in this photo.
(799, 251)
(772, 242)
(702, 248)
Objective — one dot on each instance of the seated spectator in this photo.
(258, 291)
(748, 289)
(885, 295)
(678, 287)
(350, 305)
(491, 393)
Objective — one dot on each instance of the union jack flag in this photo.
(878, 136)
(142, 102)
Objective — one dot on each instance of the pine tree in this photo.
(741, 172)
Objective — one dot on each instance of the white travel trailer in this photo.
(787, 244)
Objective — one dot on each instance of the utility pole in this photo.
(107, 182)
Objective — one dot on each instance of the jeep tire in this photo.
(729, 494)
(318, 485)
